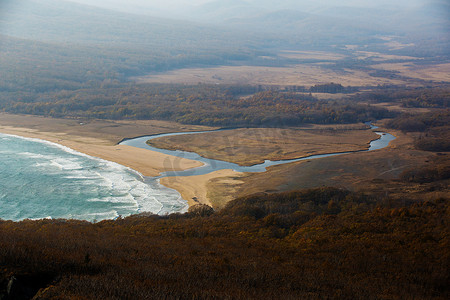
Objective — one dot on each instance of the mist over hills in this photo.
(222, 24)
(63, 21)
(80, 41)
(102, 21)
(378, 13)
(70, 41)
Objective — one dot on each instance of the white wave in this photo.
(36, 155)
(44, 218)
(109, 181)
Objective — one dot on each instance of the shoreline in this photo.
(146, 162)
(87, 140)
(194, 189)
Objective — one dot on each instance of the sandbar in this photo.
(195, 190)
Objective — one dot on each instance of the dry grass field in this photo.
(316, 55)
(302, 75)
(314, 67)
(375, 171)
(436, 73)
(249, 146)
(108, 132)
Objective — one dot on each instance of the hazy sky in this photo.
(174, 5)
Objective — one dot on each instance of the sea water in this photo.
(40, 179)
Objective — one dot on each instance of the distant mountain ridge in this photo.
(240, 23)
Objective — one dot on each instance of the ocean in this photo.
(40, 179)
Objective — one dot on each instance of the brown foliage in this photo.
(438, 169)
(320, 243)
(200, 104)
(421, 122)
(200, 210)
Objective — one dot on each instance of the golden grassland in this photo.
(314, 67)
(301, 75)
(356, 171)
(376, 56)
(402, 109)
(109, 132)
(250, 146)
(435, 72)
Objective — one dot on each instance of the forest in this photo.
(320, 243)
(226, 106)
(437, 96)
(307, 244)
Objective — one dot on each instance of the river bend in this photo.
(211, 165)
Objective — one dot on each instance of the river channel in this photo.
(211, 165)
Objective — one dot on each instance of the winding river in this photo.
(41, 179)
(211, 165)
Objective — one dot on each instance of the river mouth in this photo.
(212, 165)
(47, 180)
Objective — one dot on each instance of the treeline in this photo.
(436, 97)
(433, 129)
(329, 88)
(309, 244)
(420, 122)
(200, 104)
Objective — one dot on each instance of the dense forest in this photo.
(428, 97)
(308, 244)
(200, 104)
(432, 128)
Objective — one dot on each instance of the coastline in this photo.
(146, 162)
(99, 139)
(98, 144)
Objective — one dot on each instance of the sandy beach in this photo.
(99, 138)
(195, 189)
(148, 163)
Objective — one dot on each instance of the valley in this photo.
(94, 204)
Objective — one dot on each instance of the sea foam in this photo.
(41, 179)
